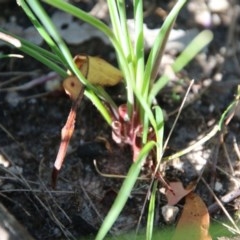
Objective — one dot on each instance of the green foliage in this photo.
(140, 76)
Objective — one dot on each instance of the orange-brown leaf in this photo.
(72, 87)
(194, 221)
(176, 192)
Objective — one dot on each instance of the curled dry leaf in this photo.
(194, 221)
(97, 71)
(72, 87)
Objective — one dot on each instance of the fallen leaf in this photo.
(176, 192)
(194, 221)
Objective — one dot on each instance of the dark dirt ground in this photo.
(31, 122)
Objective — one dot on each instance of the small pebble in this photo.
(13, 99)
(7, 187)
(218, 187)
(32, 35)
(16, 170)
(204, 18)
(169, 213)
(53, 85)
(3, 161)
(218, 6)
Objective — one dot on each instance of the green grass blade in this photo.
(98, 104)
(125, 58)
(230, 108)
(160, 131)
(139, 56)
(159, 152)
(192, 49)
(74, 11)
(124, 33)
(34, 51)
(117, 10)
(57, 44)
(50, 27)
(39, 27)
(197, 44)
(65, 53)
(124, 192)
(123, 61)
(151, 213)
(47, 54)
(139, 43)
(115, 18)
(159, 45)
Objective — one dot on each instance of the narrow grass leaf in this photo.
(49, 26)
(124, 33)
(47, 54)
(80, 14)
(192, 49)
(89, 93)
(159, 45)
(139, 49)
(34, 51)
(66, 55)
(77, 12)
(196, 45)
(160, 130)
(230, 107)
(42, 31)
(151, 212)
(123, 61)
(125, 191)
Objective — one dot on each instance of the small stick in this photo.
(225, 199)
(220, 204)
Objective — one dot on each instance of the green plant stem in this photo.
(151, 212)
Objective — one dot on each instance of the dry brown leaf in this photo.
(176, 192)
(194, 221)
(72, 87)
(98, 71)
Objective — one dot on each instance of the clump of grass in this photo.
(139, 122)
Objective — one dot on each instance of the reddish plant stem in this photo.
(66, 135)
